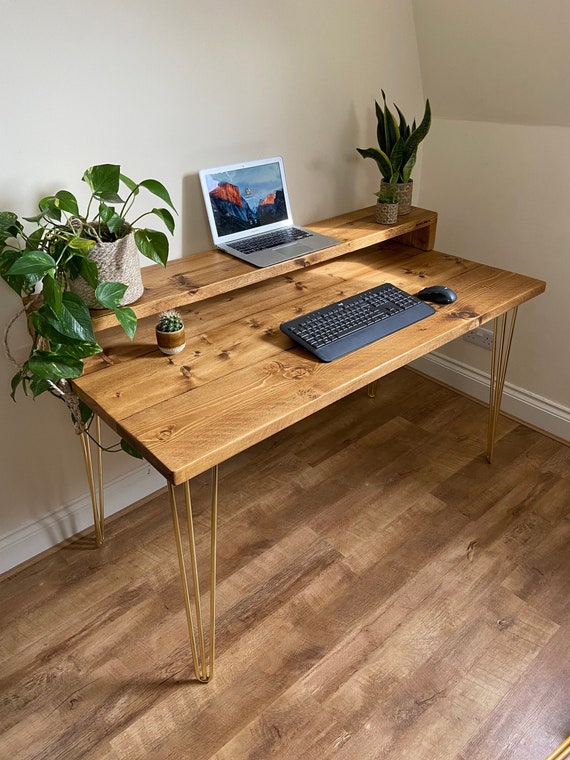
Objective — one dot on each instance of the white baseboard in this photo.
(40, 535)
(536, 411)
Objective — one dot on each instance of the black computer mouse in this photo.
(437, 294)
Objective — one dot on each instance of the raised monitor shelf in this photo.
(211, 273)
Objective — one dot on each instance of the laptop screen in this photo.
(244, 198)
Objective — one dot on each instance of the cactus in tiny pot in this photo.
(170, 335)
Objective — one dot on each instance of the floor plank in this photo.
(383, 592)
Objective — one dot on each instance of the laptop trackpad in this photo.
(297, 248)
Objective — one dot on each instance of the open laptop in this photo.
(250, 214)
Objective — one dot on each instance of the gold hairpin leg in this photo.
(561, 752)
(203, 665)
(503, 335)
(97, 493)
(372, 389)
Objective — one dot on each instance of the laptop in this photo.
(250, 214)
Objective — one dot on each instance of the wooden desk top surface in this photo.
(239, 379)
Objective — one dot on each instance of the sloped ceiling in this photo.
(505, 61)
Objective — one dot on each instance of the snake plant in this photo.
(397, 142)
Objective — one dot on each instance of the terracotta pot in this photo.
(171, 342)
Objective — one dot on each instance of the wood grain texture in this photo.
(383, 593)
(240, 380)
(211, 273)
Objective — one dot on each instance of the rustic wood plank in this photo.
(211, 273)
(243, 380)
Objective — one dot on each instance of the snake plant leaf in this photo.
(381, 159)
(109, 294)
(158, 189)
(396, 156)
(403, 123)
(391, 128)
(408, 166)
(380, 134)
(417, 135)
(128, 320)
(153, 245)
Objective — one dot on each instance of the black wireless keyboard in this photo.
(342, 327)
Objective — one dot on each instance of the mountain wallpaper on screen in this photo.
(233, 213)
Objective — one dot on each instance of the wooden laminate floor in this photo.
(382, 593)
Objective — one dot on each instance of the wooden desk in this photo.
(239, 379)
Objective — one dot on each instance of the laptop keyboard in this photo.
(269, 240)
(344, 326)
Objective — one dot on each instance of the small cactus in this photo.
(169, 321)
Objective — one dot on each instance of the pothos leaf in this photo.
(74, 319)
(128, 320)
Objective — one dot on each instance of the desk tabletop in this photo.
(239, 380)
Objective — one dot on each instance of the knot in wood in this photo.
(165, 433)
(297, 372)
(463, 314)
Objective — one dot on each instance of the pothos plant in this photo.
(39, 263)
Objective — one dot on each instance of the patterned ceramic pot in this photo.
(386, 213)
(404, 192)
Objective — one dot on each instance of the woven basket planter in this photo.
(404, 193)
(116, 262)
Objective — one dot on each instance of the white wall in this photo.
(165, 89)
(501, 189)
